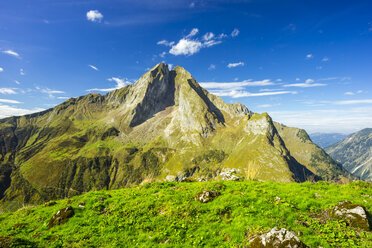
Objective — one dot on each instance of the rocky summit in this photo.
(164, 127)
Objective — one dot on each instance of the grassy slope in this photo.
(166, 214)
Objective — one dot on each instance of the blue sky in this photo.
(307, 64)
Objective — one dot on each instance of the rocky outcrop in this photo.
(278, 238)
(355, 215)
(61, 217)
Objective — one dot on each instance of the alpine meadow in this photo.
(185, 123)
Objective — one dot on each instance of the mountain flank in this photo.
(355, 153)
(164, 127)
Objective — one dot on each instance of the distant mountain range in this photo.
(355, 153)
(326, 139)
(163, 127)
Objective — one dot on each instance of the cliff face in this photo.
(163, 127)
(355, 153)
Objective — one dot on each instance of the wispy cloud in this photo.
(350, 93)
(208, 36)
(232, 65)
(350, 102)
(1, 69)
(325, 59)
(235, 32)
(165, 43)
(94, 16)
(239, 94)
(93, 67)
(9, 91)
(9, 101)
(193, 32)
(12, 53)
(235, 85)
(308, 83)
(267, 105)
(120, 83)
(211, 67)
(21, 72)
(7, 111)
(309, 56)
(17, 82)
(344, 120)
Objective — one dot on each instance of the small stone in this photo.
(81, 205)
(317, 195)
(277, 199)
(61, 217)
(206, 196)
(279, 238)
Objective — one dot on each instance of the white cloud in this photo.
(360, 91)
(211, 67)
(17, 82)
(349, 102)
(239, 94)
(186, 47)
(1, 69)
(63, 97)
(170, 66)
(309, 56)
(50, 92)
(343, 120)
(235, 32)
(232, 65)
(165, 43)
(235, 85)
(163, 54)
(192, 5)
(193, 32)
(210, 43)
(93, 67)
(267, 105)
(120, 83)
(208, 36)
(190, 45)
(12, 53)
(308, 83)
(9, 91)
(21, 72)
(9, 101)
(298, 79)
(349, 93)
(325, 59)
(94, 16)
(7, 111)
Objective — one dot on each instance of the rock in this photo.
(229, 175)
(170, 178)
(279, 238)
(61, 217)
(355, 215)
(277, 199)
(317, 195)
(206, 196)
(81, 205)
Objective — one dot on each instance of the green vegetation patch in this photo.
(166, 214)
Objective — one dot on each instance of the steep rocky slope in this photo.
(355, 153)
(163, 127)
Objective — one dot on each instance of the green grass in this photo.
(166, 214)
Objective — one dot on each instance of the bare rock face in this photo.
(206, 196)
(355, 215)
(279, 238)
(61, 217)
